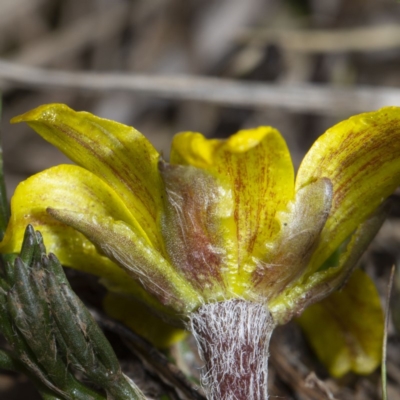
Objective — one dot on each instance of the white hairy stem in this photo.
(233, 338)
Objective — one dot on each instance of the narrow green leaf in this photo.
(101, 345)
(28, 245)
(68, 325)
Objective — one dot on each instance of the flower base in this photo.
(233, 338)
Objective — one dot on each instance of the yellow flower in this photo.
(223, 219)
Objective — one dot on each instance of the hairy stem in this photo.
(233, 338)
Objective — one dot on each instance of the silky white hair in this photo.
(233, 338)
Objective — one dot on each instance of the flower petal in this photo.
(256, 166)
(78, 189)
(346, 329)
(116, 153)
(361, 156)
(301, 228)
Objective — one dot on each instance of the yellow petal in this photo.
(141, 320)
(346, 329)
(256, 165)
(361, 156)
(116, 153)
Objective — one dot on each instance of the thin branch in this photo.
(304, 98)
(370, 38)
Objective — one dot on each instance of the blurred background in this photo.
(298, 65)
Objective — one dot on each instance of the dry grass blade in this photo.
(373, 38)
(316, 98)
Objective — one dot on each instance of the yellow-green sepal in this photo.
(315, 286)
(80, 192)
(301, 225)
(194, 227)
(120, 243)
